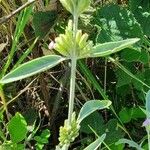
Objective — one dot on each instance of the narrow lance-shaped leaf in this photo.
(131, 143)
(91, 106)
(31, 68)
(101, 50)
(96, 143)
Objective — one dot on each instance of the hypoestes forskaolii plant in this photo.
(72, 45)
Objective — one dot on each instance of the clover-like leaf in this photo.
(17, 128)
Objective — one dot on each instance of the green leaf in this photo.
(131, 143)
(96, 144)
(45, 134)
(114, 133)
(101, 50)
(39, 146)
(42, 22)
(134, 55)
(141, 11)
(91, 106)
(94, 121)
(40, 140)
(126, 114)
(17, 128)
(116, 23)
(134, 4)
(43, 138)
(122, 78)
(31, 68)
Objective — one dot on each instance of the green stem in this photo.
(72, 89)
(148, 133)
(73, 71)
(3, 99)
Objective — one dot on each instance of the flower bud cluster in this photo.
(65, 44)
(68, 133)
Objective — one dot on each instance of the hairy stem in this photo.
(72, 90)
(148, 133)
(73, 71)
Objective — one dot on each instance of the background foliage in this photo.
(42, 99)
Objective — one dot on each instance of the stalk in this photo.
(148, 133)
(72, 90)
(3, 99)
(73, 72)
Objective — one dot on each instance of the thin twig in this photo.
(6, 18)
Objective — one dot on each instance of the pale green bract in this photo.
(76, 7)
(65, 43)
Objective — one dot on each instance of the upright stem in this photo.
(72, 89)
(148, 133)
(2, 96)
(73, 71)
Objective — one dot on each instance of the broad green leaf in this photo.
(31, 68)
(96, 143)
(116, 23)
(17, 128)
(45, 134)
(43, 21)
(148, 103)
(40, 140)
(145, 112)
(131, 143)
(43, 138)
(127, 71)
(91, 106)
(114, 133)
(134, 4)
(126, 114)
(101, 50)
(141, 11)
(134, 55)
(94, 121)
